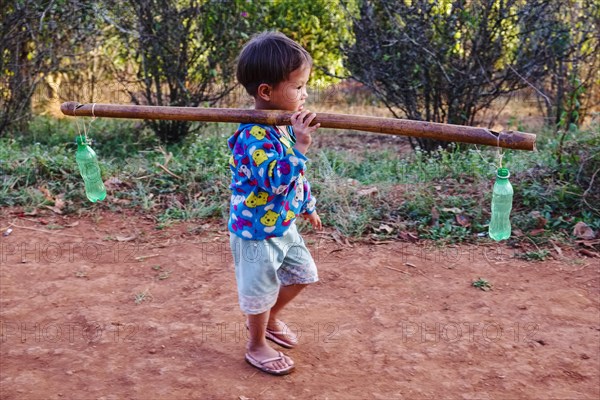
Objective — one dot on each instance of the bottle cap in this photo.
(503, 173)
(80, 140)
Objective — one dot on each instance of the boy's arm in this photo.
(314, 220)
(260, 152)
(309, 209)
(310, 203)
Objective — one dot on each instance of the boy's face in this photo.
(290, 94)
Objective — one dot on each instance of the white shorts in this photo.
(261, 266)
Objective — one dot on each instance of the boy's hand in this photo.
(314, 220)
(301, 123)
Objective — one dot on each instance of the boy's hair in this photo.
(269, 57)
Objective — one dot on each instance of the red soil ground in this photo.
(109, 307)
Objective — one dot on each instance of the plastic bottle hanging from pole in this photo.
(90, 171)
(502, 197)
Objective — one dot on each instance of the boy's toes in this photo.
(288, 361)
(280, 365)
(283, 363)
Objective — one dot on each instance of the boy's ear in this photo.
(264, 91)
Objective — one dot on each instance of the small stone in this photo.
(585, 356)
(152, 351)
(70, 372)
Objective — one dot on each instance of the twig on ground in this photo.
(142, 258)
(168, 172)
(167, 157)
(591, 182)
(534, 243)
(423, 273)
(265, 389)
(43, 230)
(415, 267)
(397, 270)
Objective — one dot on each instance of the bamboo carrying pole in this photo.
(392, 126)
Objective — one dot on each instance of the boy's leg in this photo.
(286, 294)
(297, 271)
(257, 344)
(258, 289)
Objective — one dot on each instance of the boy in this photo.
(272, 263)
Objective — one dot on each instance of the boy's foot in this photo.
(281, 334)
(270, 361)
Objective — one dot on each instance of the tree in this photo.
(318, 25)
(183, 53)
(38, 37)
(574, 70)
(445, 61)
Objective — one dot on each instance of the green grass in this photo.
(539, 255)
(482, 284)
(455, 183)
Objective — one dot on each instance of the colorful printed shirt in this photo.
(268, 185)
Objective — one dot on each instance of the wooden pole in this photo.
(392, 126)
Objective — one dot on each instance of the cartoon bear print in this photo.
(269, 218)
(299, 196)
(259, 156)
(255, 200)
(272, 168)
(289, 215)
(258, 132)
(243, 170)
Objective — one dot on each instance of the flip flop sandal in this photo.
(279, 337)
(261, 365)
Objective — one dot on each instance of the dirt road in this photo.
(108, 307)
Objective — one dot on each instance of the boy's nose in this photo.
(304, 94)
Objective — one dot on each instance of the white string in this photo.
(500, 151)
(500, 154)
(85, 131)
(90, 124)
(77, 122)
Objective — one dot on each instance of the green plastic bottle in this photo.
(502, 197)
(90, 171)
